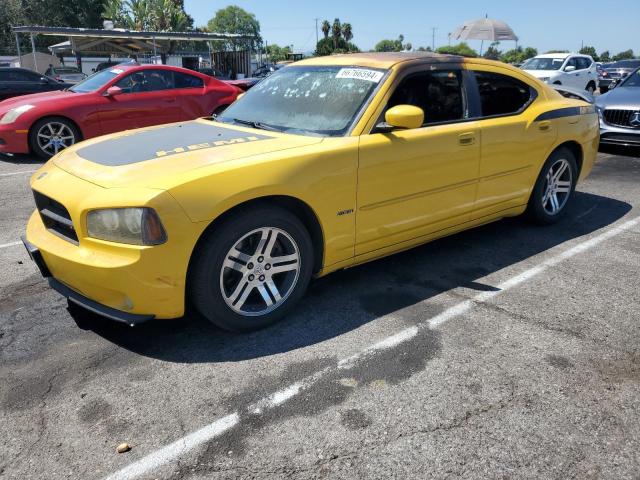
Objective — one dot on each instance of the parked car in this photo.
(619, 112)
(328, 163)
(104, 65)
(65, 74)
(244, 84)
(20, 81)
(570, 69)
(267, 70)
(615, 72)
(214, 72)
(112, 100)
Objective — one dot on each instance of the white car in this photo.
(568, 69)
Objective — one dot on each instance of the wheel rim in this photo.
(557, 187)
(260, 271)
(55, 136)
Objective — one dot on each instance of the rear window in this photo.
(183, 80)
(502, 94)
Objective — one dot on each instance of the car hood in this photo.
(162, 156)
(36, 99)
(620, 97)
(542, 73)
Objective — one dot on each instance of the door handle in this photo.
(544, 126)
(467, 139)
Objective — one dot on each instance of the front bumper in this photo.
(14, 139)
(627, 137)
(605, 82)
(79, 299)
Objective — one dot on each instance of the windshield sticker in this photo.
(117, 71)
(360, 74)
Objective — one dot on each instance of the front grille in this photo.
(55, 217)
(621, 138)
(621, 118)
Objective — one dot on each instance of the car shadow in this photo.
(346, 300)
(21, 159)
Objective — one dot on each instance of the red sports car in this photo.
(112, 100)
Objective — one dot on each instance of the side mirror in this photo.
(113, 91)
(570, 68)
(403, 117)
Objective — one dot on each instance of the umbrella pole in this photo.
(481, 46)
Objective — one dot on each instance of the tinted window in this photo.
(438, 94)
(583, 63)
(182, 80)
(146, 81)
(543, 63)
(501, 94)
(22, 76)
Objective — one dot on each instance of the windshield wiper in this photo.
(258, 125)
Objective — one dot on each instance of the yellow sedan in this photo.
(326, 164)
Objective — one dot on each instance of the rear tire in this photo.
(51, 135)
(554, 188)
(252, 269)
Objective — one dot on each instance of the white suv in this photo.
(569, 69)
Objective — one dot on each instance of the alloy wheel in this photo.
(55, 136)
(260, 271)
(557, 187)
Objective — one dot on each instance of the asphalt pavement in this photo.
(508, 351)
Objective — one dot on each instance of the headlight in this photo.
(13, 114)
(134, 226)
(600, 111)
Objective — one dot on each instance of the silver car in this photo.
(619, 112)
(65, 74)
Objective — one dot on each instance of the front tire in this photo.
(554, 188)
(50, 135)
(252, 269)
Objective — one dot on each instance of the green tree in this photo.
(336, 32)
(276, 53)
(326, 47)
(326, 28)
(518, 55)
(605, 57)
(492, 52)
(397, 45)
(347, 32)
(558, 51)
(154, 15)
(234, 19)
(586, 50)
(460, 49)
(626, 55)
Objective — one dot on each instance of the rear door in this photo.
(190, 96)
(513, 146)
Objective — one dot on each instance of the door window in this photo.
(183, 80)
(502, 94)
(20, 76)
(583, 63)
(573, 62)
(437, 93)
(146, 81)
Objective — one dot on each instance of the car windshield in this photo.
(95, 81)
(315, 100)
(633, 80)
(539, 63)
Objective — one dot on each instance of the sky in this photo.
(543, 24)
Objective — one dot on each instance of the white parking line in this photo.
(171, 452)
(12, 244)
(17, 173)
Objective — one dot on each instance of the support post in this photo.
(33, 50)
(18, 47)
(155, 51)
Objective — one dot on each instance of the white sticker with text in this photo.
(360, 74)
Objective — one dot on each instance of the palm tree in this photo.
(326, 26)
(347, 32)
(336, 32)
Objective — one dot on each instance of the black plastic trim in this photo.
(36, 256)
(131, 319)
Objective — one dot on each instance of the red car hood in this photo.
(35, 99)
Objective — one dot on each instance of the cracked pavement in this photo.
(541, 381)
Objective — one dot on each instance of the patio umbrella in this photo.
(484, 29)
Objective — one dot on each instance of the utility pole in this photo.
(317, 38)
(433, 38)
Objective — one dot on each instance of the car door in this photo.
(513, 146)
(576, 77)
(146, 99)
(415, 182)
(24, 82)
(190, 95)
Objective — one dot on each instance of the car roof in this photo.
(379, 59)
